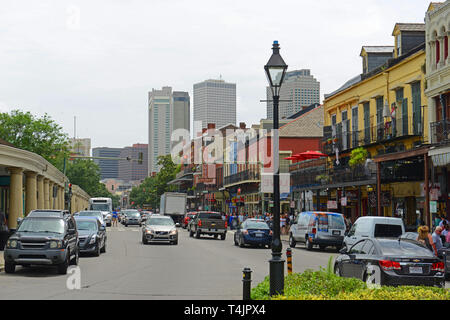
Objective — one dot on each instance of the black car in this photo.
(254, 232)
(43, 240)
(92, 235)
(391, 262)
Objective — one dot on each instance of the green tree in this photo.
(39, 135)
(86, 174)
(151, 189)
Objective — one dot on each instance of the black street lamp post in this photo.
(275, 71)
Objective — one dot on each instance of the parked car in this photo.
(43, 240)
(91, 235)
(253, 232)
(209, 223)
(187, 217)
(317, 228)
(107, 217)
(159, 228)
(394, 261)
(374, 227)
(131, 217)
(92, 213)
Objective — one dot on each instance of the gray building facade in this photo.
(300, 88)
(109, 169)
(214, 102)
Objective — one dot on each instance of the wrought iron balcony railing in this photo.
(440, 131)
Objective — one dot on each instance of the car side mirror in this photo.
(343, 250)
(102, 228)
(177, 225)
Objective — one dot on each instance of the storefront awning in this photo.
(440, 156)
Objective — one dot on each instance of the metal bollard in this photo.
(246, 283)
(289, 260)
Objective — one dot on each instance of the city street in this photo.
(205, 269)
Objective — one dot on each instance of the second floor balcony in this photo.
(242, 177)
(345, 139)
(440, 131)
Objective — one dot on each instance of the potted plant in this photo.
(358, 157)
(323, 178)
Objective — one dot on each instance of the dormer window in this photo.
(399, 45)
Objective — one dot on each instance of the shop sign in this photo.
(331, 204)
(433, 206)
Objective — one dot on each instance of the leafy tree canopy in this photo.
(39, 135)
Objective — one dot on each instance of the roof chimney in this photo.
(242, 125)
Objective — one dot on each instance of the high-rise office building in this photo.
(214, 102)
(109, 168)
(133, 170)
(299, 90)
(167, 111)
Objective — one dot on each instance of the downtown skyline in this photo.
(99, 71)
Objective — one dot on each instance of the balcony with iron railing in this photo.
(440, 131)
(246, 175)
(400, 127)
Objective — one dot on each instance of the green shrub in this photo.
(325, 285)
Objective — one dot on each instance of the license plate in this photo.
(213, 230)
(336, 232)
(258, 235)
(415, 270)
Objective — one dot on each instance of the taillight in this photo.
(314, 230)
(226, 225)
(389, 265)
(199, 223)
(438, 266)
(270, 232)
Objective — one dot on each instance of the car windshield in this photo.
(160, 222)
(87, 225)
(256, 225)
(42, 225)
(132, 214)
(100, 206)
(91, 214)
(45, 214)
(404, 248)
(209, 215)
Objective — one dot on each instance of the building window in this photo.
(438, 51)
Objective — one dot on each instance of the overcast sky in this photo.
(96, 60)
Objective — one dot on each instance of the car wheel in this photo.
(292, 241)
(144, 240)
(241, 242)
(223, 236)
(104, 247)
(337, 270)
(62, 268)
(10, 267)
(197, 234)
(76, 259)
(191, 234)
(322, 247)
(308, 244)
(235, 241)
(216, 236)
(175, 242)
(98, 250)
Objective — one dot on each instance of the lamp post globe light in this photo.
(275, 72)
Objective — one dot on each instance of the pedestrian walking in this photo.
(425, 238)
(115, 216)
(437, 239)
(4, 231)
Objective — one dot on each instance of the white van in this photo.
(318, 228)
(374, 227)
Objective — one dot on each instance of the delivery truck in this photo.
(173, 204)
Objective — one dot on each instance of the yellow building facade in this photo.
(384, 111)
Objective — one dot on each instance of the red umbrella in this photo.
(312, 154)
(291, 158)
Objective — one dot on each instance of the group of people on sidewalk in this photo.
(438, 240)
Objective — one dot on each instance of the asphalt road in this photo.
(205, 269)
